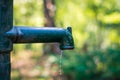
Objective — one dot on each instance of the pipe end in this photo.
(67, 42)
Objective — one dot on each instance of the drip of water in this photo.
(60, 66)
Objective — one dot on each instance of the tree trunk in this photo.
(49, 12)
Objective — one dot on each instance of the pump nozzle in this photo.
(67, 41)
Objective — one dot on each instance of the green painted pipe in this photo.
(42, 35)
(10, 35)
(6, 23)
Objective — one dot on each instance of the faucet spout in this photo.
(20, 34)
(67, 41)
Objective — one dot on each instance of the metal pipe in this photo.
(6, 23)
(10, 35)
(42, 35)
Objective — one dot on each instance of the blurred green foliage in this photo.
(96, 32)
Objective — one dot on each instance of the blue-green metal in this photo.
(17, 34)
(42, 35)
(6, 23)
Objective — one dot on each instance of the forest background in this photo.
(96, 32)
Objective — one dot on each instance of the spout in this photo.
(42, 35)
(67, 41)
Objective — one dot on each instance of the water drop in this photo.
(60, 76)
